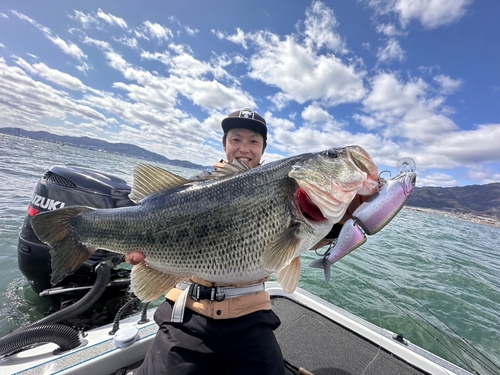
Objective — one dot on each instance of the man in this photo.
(235, 335)
(232, 336)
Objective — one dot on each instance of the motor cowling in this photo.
(64, 186)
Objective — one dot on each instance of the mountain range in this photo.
(483, 200)
(100, 145)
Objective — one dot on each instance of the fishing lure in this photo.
(372, 215)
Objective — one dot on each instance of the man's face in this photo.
(245, 145)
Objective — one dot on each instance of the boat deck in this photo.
(324, 339)
(321, 346)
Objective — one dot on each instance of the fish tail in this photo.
(56, 229)
(323, 264)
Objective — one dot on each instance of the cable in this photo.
(118, 316)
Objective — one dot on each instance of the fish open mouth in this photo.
(308, 208)
(363, 162)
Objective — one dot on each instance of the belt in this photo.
(216, 293)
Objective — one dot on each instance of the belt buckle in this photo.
(219, 294)
(198, 292)
(195, 291)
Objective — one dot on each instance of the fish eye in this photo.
(331, 154)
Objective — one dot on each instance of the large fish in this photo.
(236, 228)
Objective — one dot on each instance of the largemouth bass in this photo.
(238, 227)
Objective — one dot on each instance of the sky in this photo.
(401, 78)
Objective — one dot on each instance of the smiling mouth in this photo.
(244, 160)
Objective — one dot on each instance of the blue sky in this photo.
(401, 78)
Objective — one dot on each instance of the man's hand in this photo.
(135, 257)
(356, 202)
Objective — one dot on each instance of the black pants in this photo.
(201, 345)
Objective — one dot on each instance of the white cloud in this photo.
(86, 20)
(59, 78)
(483, 173)
(436, 179)
(404, 110)
(390, 30)
(448, 85)
(238, 38)
(111, 19)
(391, 51)
(26, 101)
(25, 65)
(95, 19)
(315, 114)
(52, 75)
(68, 48)
(431, 13)
(187, 76)
(112, 121)
(467, 147)
(156, 31)
(3, 15)
(302, 74)
(319, 26)
(191, 31)
(295, 66)
(130, 42)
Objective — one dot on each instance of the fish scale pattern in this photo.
(217, 230)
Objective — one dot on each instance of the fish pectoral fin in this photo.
(149, 179)
(289, 276)
(223, 169)
(148, 283)
(282, 250)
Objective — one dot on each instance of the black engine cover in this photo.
(62, 187)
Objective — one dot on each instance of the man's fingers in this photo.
(134, 257)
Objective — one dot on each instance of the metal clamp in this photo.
(199, 292)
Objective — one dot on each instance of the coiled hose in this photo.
(46, 329)
(63, 336)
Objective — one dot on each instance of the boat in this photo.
(314, 335)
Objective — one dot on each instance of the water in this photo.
(433, 279)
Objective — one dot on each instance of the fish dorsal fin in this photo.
(282, 250)
(148, 283)
(289, 276)
(149, 179)
(223, 169)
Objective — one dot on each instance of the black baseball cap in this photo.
(246, 119)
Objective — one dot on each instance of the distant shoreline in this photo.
(477, 219)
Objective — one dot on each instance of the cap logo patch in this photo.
(246, 114)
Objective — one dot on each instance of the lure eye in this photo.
(331, 154)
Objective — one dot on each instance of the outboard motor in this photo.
(62, 187)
